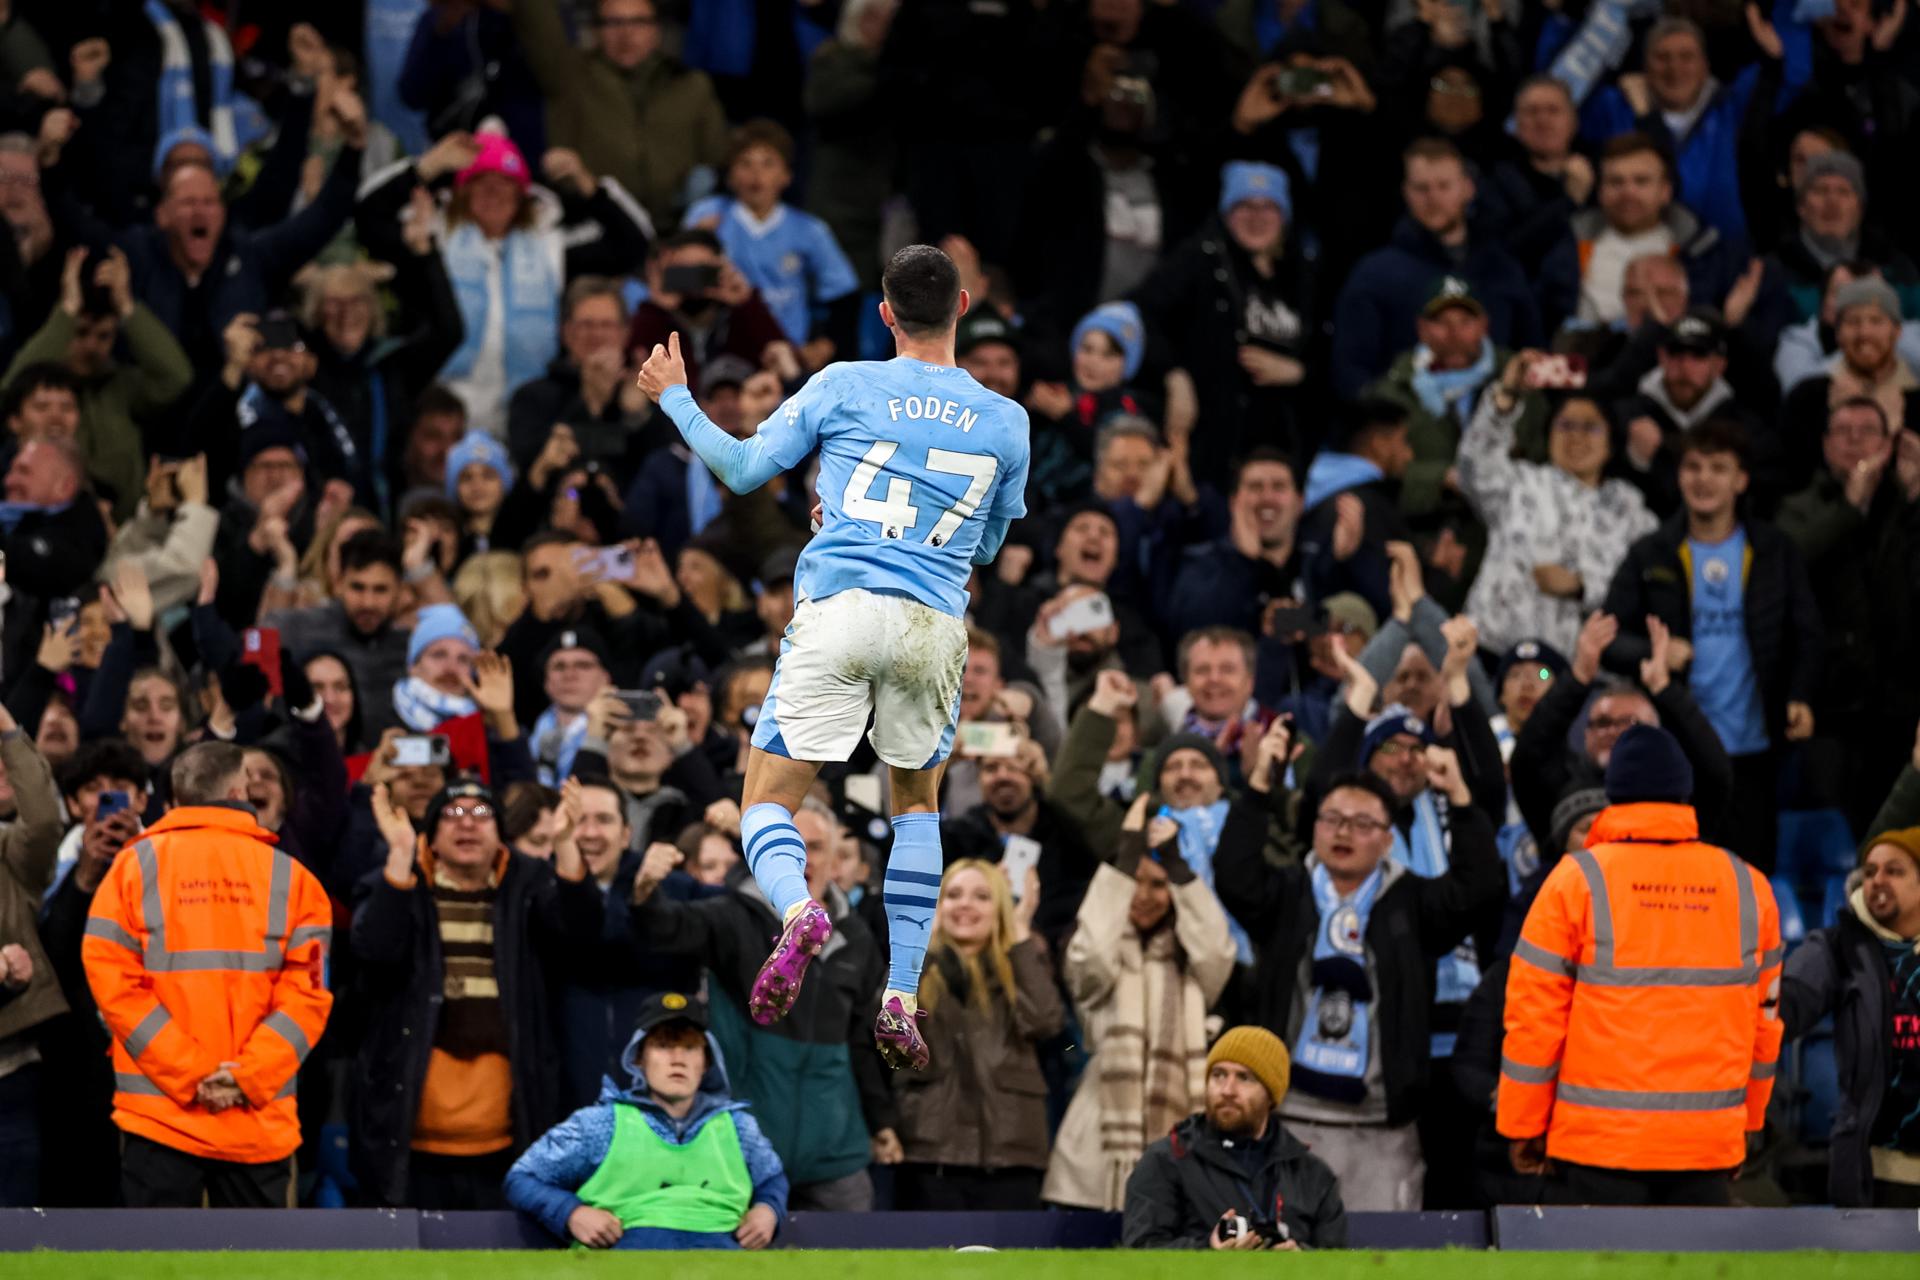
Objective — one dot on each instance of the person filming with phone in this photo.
(696, 293)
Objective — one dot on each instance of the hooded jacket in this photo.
(1842, 971)
(1188, 1179)
(1700, 250)
(545, 1181)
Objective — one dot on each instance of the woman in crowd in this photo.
(973, 1125)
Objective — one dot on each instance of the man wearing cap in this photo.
(574, 666)
(456, 935)
(1232, 1176)
(1867, 329)
(667, 1161)
(1345, 969)
(1648, 937)
(1232, 304)
(1688, 387)
(988, 347)
(439, 681)
(1377, 309)
(1865, 972)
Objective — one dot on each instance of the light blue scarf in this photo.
(1334, 473)
(1443, 391)
(531, 289)
(12, 513)
(1330, 1053)
(421, 707)
(1199, 837)
(1599, 46)
(177, 108)
(1459, 972)
(554, 748)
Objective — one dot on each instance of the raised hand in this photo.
(1405, 581)
(1113, 692)
(1463, 641)
(664, 368)
(89, 60)
(134, 596)
(1349, 525)
(1599, 631)
(190, 480)
(396, 828)
(491, 684)
(1656, 670)
(1443, 775)
(1362, 688)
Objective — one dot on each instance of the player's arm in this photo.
(742, 465)
(992, 539)
(1009, 496)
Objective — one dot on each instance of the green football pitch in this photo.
(1028, 1265)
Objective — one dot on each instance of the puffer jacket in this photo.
(1188, 1179)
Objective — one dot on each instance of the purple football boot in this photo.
(778, 985)
(898, 1036)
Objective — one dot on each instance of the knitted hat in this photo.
(1870, 292)
(1538, 653)
(467, 790)
(1574, 805)
(1259, 1051)
(1250, 180)
(478, 446)
(1120, 321)
(1351, 610)
(1189, 742)
(1840, 164)
(1648, 765)
(1390, 723)
(437, 622)
(576, 638)
(1906, 840)
(497, 154)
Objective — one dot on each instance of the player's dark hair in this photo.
(922, 286)
(367, 548)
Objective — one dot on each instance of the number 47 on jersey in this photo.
(896, 512)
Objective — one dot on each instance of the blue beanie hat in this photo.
(1120, 321)
(439, 622)
(1395, 720)
(1251, 180)
(478, 446)
(1647, 764)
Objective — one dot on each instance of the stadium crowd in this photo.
(1467, 438)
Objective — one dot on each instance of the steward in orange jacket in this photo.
(1642, 1022)
(206, 950)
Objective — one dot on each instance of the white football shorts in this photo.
(860, 653)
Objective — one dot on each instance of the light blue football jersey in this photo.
(915, 461)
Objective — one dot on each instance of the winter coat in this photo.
(1374, 316)
(1842, 971)
(28, 846)
(981, 1103)
(54, 553)
(1186, 1181)
(1783, 628)
(1538, 514)
(1413, 923)
(169, 550)
(853, 151)
(545, 1181)
(1107, 957)
(1435, 437)
(814, 1077)
(396, 944)
(1699, 248)
(648, 127)
(378, 661)
(1865, 572)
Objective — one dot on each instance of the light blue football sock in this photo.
(776, 855)
(913, 893)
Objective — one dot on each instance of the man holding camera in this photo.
(1232, 1177)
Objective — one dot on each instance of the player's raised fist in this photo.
(664, 368)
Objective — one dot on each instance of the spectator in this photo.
(1867, 328)
(1236, 306)
(597, 1179)
(1374, 317)
(1558, 531)
(1174, 1197)
(1689, 387)
(439, 680)
(455, 936)
(358, 625)
(587, 387)
(116, 399)
(853, 145)
(814, 1078)
(463, 64)
(1830, 199)
(1537, 190)
(205, 1054)
(1854, 525)
(972, 1135)
(710, 304)
(30, 994)
(1231, 581)
(51, 530)
(787, 254)
(1352, 507)
(629, 88)
(1734, 596)
(1636, 214)
(1149, 958)
(1866, 960)
(1618, 1128)
(1362, 1031)
(1805, 349)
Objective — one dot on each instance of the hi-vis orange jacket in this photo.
(207, 945)
(1642, 1027)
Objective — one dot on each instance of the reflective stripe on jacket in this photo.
(206, 946)
(1642, 1022)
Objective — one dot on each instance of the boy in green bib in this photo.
(671, 1162)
